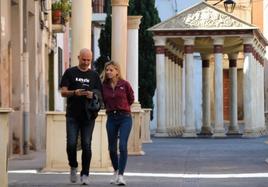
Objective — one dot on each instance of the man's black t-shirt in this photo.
(73, 78)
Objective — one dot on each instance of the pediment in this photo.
(203, 16)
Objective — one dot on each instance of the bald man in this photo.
(78, 85)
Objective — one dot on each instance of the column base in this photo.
(220, 132)
(161, 134)
(233, 131)
(253, 133)
(189, 133)
(205, 131)
(147, 141)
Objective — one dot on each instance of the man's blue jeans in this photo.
(118, 125)
(73, 126)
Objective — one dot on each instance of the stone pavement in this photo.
(168, 162)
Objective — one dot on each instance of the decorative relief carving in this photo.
(202, 17)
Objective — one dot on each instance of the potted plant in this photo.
(66, 10)
(56, 12)
(61, 11)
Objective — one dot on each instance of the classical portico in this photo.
(232, 56)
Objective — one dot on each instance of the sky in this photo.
(169, 8)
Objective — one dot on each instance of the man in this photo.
(78, 84)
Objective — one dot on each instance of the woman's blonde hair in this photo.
(116, 66)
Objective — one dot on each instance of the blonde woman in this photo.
(117, 96)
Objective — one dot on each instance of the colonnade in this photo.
(175, 83)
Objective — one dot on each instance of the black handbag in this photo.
(93, 106)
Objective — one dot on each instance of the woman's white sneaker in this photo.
(121, 181)
(115, 178)
(85, 179)
(73, 176)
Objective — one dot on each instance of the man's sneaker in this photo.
(85, 179)
(115, 178)
(121, 181)
(73, 176)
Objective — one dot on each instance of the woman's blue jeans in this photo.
(118, 126)
(73, 126)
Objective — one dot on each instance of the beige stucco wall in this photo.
(5, 55)
(11, 69)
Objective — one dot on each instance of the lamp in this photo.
(229, 5)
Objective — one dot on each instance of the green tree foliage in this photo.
(147, 72)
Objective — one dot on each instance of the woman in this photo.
(117, 96)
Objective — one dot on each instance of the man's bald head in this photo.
(85, 58)
(85, 51)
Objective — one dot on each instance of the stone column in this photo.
(133, 55)
(262, 88)
(233, 126)
(218, 53)
(262, 108)
(119, 33)
(248, 88)
(4, 145)
(206, 126)
(167, 91)
(81, 27)
(160, 43)
(189, 88)
(180, 94)
(177, 97)
(172, 94)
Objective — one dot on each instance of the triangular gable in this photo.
(202, 16)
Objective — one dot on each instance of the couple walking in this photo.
(81, 85)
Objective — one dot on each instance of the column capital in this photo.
(248, 48)
(232, 63)
(188, 40)
(133, 22)
(119, 3)
(218, 40)
(159, 41)
(160, 50)
(218, 49)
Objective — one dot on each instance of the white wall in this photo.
(58, 99)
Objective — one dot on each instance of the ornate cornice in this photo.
(119, 3)
(202, 32)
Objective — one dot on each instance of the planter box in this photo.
(56, 156)
(4, 134)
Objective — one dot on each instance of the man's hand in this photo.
(82, 92)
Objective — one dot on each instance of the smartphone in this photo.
(85, 87)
